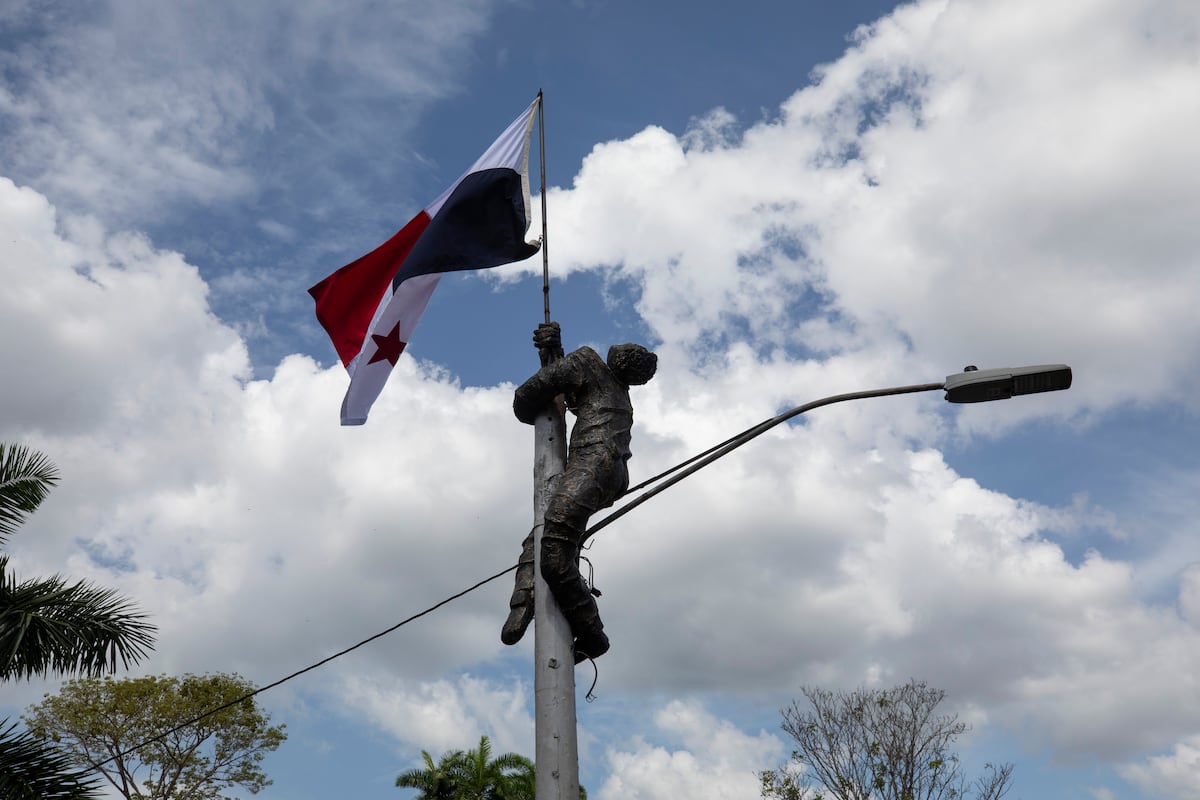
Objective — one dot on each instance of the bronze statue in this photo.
(594, 477)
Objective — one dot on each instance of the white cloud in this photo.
(213, 498)
(1189, 594)
(971, 183)
(442, 715)
(717, 760)
(1175, 776)
(131, 106)
(87, 307)
(882, 569)
(1031, 198)
(988, 183)
(263, 537)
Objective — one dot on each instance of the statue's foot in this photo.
(519, 617)
(591, 644)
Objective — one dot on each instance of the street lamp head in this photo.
(974, 385)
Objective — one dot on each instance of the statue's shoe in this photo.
(519, 617)
(592, 644)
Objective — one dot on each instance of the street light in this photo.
(972, 385)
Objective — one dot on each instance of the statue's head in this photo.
(632, 364)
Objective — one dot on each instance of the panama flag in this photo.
(370, 307)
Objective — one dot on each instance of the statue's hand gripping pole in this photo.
(548, 341)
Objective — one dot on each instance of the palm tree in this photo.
(52, 626)
(31, 771)
(473, 775)
(435, 781)
(481, 777)
(521, 784)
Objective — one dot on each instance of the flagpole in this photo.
(545, 247)
(557, 746)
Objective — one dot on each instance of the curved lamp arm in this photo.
(972, 385)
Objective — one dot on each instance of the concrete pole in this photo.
(557, 749)
(556, 758)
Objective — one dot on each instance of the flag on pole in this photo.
(370, 307)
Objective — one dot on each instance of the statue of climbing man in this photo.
(595, 475)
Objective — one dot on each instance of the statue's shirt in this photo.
(603, 411)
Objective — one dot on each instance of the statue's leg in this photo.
(560, 568)
(592, 480)
(580, 492)
(521, 604)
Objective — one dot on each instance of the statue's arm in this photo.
(560, 377)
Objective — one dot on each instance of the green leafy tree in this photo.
(52, 626)
(473, 775)
(143, 736)
(877, 744)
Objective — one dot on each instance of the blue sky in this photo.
(788, 201)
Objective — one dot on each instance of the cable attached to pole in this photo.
(309, 668)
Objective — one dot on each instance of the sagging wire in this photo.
(309, 668)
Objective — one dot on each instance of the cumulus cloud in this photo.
(216, 498)
(442, 715)
(715, 759)
(133, 106)
(970, 183)
(1189, 594)
(985, 182)
(88, 307)
(1175, 776)
(878, 569)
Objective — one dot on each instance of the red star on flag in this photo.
(388, 347)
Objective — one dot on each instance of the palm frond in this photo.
(50, 626)
(435, 781)
(26, 477)
(31, 770)
(508, 762)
